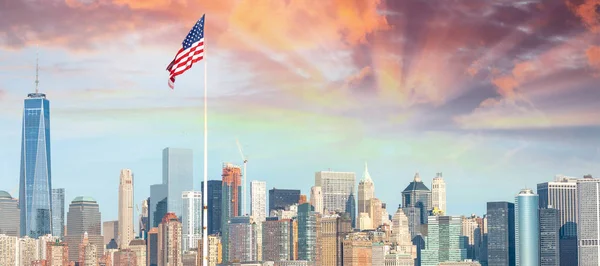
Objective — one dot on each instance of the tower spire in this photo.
(37, 68)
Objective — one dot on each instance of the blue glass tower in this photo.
(527, 229)
(35, 197)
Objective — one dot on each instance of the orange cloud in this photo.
(588, 13)
(593, 56)
(506, 86)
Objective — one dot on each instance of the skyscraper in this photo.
(501, 234)
(416, 194)
(58, 212)
(126, 233)
(401, 234)
(10, 213)
(215, 193)
(316, 198)
(277, 241)
(443, 242)
(549, 237)
(258, 200)
(158, 204)
(83, 217)
(307, 232)
(144, 225)
(280, 199)
(351, 209)
(35, 200)
(366, 191)
(336, 188)
(527, 231)
(242, 240)
(230, 201)
(438, 193)
(562, 195)
(588, 221)
(192, 219)
(110, 231)
(178, 175)
(169, 241)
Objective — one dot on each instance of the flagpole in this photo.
(204, 195)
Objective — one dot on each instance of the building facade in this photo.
(500, 234)
(336, 188)
(280, 199)
(157, 208)
(11, 215)
(316, 198)
(192, 219)
(35, 187)
(258, 200)
(126, 231)
(169, 241)
(417, 195)
(444, 242)
(438, 193)
(215, 193)
(58, 212)
(242, 240)
(527, 231)
(561, 194)
(307, 232)
(549, 237)
(83, 218)
(178, 175)
(231, 199)
(588, 221)
(366, 191)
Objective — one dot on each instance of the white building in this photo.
(336, 188)
(126, 233)
(258, 200)
(366, 191)
(438, 193)
(588, 223)
(316, 198)
(191, 219)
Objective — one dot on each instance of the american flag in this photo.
(191, 52)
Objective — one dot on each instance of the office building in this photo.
(357, 250)
(126, 231)
(35, 202)
(307, 232)
(472, 233)
(158, 204)
(178, 175)
(215, 193)
(58, 211)
(110, 231)
(366, 191)
(144, 225)
(375, 211)
(438, 193)
(83, 217)
(500, 234)
(561, 194)
(316, 198)
(88, 254)
(230, 201)
(549, 237)
(416, 194)
(406, 251)
(214, 250)
(336, 188)
(277, 239)
(351, 209)
(169, 241)
(527, 231)
(138, 246)
(280, 199)
(588, 221)
(192, 219)
(444, 242)
(334, 229)
(258, 200)
(152, 247)
(10, 213)
(242, 240)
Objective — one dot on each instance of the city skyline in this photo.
(496, 106)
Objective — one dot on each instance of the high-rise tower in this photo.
(230, 201)
(527, 228)
(336, 188)
(258, 200)
(366, 191)
(84, 218)
(126, 233)
(417, 195)
(35, 197)
(58, 212)
(588, 221)
(438, 193)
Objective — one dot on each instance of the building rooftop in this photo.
(84, 199)
(4, 195)
(416, 184)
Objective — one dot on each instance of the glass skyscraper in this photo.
(444, 242)
(214, 205)
(279, 199)
(307, 232)
(178, 175)
(501, 234)
(58, 212)
(527, 229)
(35, 186)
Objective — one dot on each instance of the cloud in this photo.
(589, 12)
(593, 55)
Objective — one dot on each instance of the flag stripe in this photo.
(192, 51)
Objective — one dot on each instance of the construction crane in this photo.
(244, 175)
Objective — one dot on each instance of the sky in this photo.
(496, 95)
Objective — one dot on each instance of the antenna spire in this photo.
(37, 68)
